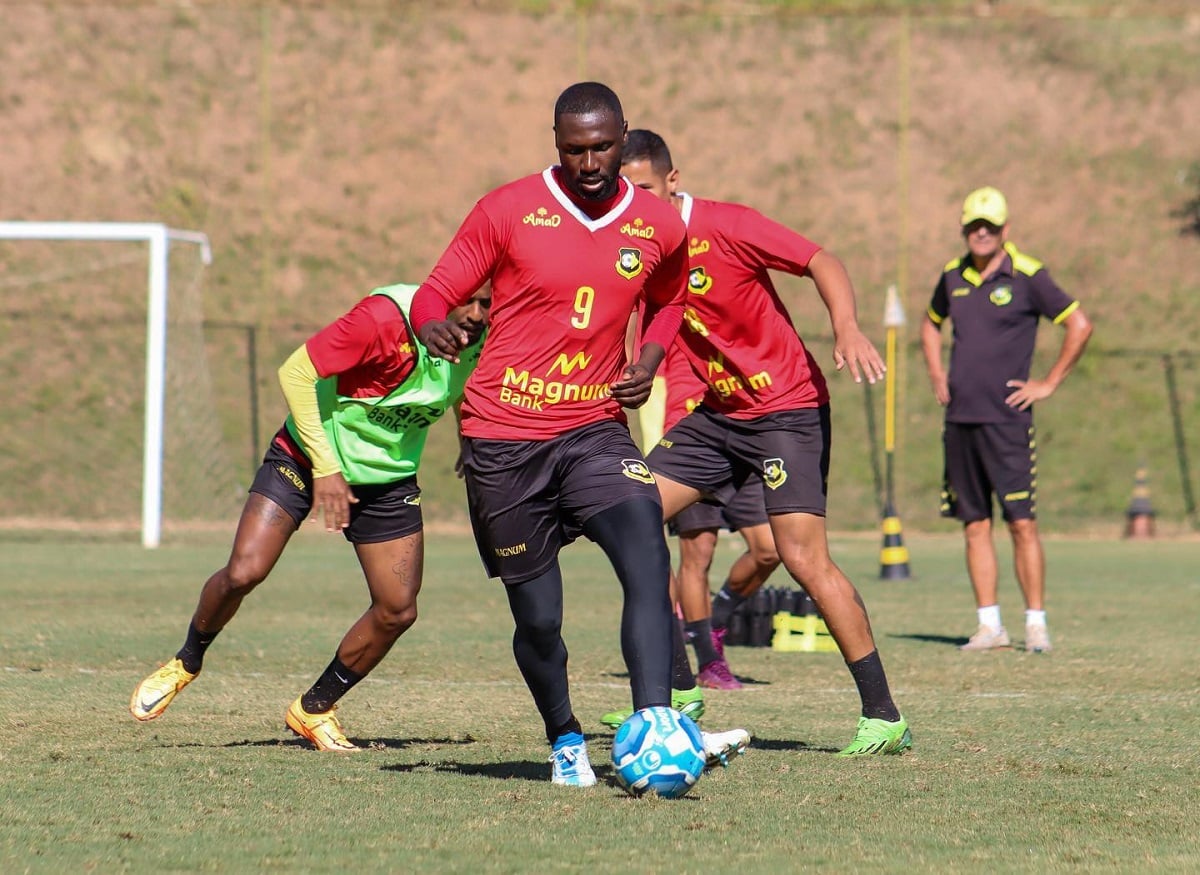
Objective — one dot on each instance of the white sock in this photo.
(1035, 618)
(990, 616)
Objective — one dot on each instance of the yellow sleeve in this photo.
(653, 414)
(298, 379)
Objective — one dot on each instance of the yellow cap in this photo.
(985, 203)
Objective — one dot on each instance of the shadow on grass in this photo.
(520, 769)
(787, 744)
(953, 640)
(365, 743)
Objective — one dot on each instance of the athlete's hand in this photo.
(633, 388)
(852, 347)
(941, 389)
(443, 339)
(332, 499)
(1028, 391)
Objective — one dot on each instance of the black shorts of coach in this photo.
(788, 451)
(986, 459)
(385, 512)
(745, 509)
(529, 499)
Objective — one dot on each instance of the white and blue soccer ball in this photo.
(658, 750)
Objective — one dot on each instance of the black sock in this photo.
(571, 725)
(724, 603)
(333, 683)
(873, 688)
(699, 635)
(192, 652)
(682, 677)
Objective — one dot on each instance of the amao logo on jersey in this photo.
(638, 228)
(542, 218)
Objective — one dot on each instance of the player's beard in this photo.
(606, 190)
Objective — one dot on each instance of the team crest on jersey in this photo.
(635, 469)
(1001, 295)
(774, 474)
(699, 282)
(630, 262)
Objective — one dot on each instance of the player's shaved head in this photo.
(644, 145)
(588, 98)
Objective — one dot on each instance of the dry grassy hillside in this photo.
(326, 149)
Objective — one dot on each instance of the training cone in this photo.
(893, 558)
(1139, 519)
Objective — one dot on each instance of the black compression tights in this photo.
(631, 535)
(541, 654)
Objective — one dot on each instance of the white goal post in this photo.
(159, 238)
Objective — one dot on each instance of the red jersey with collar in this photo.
(369, 348)
(737, 334)
(563, 288)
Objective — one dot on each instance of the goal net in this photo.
(110, 419)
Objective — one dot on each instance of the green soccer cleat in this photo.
(876, 737)
(689, 703)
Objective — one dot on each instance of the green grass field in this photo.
(1080, 760)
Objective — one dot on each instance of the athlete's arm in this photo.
(931, 346)
(1078, 331)
(850, 346)
(331, 494)
(465, 265)
(665, 291)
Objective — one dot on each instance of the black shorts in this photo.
(746, 509)
(787, 451)
(986, 459)
(529, 499)
(385, 512)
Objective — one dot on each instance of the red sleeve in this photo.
(354, 339)
(467, 262)
(771, 245)
(666, 290)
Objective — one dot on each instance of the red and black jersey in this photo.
(995, 324)
(685, 390)
(736, 331)
(563, 288)
(369, 348)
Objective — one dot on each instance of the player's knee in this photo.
(244, 573)
(395, 620)
(766, 558)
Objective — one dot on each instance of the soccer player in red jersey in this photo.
(766, 411)
(547, 453)
(361, 394)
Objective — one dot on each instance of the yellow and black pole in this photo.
(893, 558)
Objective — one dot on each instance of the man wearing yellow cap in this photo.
(995, 296)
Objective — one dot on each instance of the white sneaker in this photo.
(1037, 639)
(721, 747)
(987, 638)
(571, 766)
